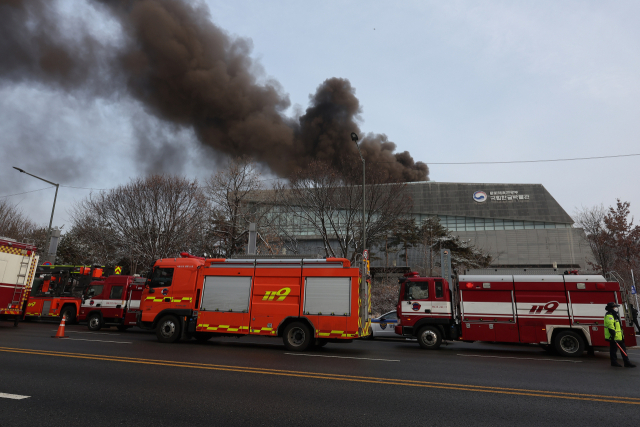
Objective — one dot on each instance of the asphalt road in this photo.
(112, 378)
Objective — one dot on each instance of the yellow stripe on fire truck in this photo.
(258, 331)
(227, 328)
(168, 299)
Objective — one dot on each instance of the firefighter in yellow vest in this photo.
(613, 334)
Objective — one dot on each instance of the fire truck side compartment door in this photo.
(224, 306)
(540, 301)
(276, 294)
(326, 295)
(46, 305)
(328, 298)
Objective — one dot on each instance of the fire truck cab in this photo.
(114, 301)
(564, 313)
(57, 290)
(305, 301)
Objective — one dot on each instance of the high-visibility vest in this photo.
(611, 322)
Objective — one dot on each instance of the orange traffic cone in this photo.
(60, 333)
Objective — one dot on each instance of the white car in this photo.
(384, 326)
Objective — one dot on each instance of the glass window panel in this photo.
(539, 225)
(549, 225)
(518, 225)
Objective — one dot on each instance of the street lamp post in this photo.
(54, 205)
(354, 138)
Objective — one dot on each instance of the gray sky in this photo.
(447, 81)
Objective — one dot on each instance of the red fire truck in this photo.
(57, 290)
(114, 301)
(306, 302)
(564, 313)
(18, 263)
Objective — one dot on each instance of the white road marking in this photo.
(116, 342)
(341, 357)
(79, 332)
(13, 396)
(520, 358)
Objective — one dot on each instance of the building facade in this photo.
(519, 225)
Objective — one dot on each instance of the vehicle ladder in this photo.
(21, 281)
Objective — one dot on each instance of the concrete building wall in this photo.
(567, 246)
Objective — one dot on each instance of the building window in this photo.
(461, 223)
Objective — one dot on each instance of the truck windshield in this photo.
(416, 290)
(161, 278)
(94, 290)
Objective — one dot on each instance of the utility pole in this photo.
(354, 138)
(49, 245)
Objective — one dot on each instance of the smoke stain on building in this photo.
(188, 72)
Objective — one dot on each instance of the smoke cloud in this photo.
(188, 72)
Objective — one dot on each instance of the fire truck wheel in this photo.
(429, 337)
(297, 337)
(16, 321)
(94, 322)
(168, 329)
(568, 343)
(69, 313)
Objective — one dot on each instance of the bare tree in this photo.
(14, 224)
(592, 221)
(235, 200)
(147, 219)
(328, 202)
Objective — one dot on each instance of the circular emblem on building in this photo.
(480, 196)
(415, 306)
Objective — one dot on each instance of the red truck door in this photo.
(132, 303)
(276, 294)
(487, 308)
(94, 296)
(541, 302)
(113, 304)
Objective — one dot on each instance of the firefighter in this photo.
(613, 334)
(634, 317)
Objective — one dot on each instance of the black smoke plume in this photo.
(188, 72)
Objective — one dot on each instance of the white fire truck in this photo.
(18, 262)
(112, 301)
(559, 312)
